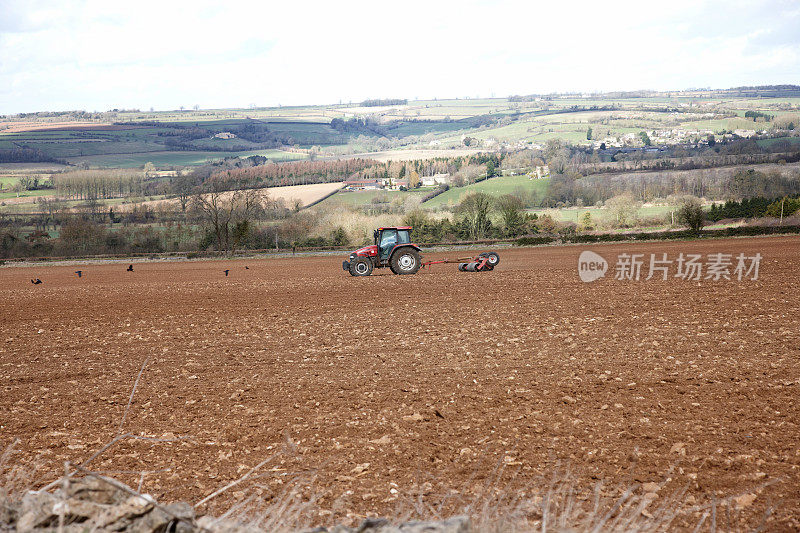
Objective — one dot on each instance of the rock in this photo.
(183, 513)
(569, 399)
(459, 524)
(36, 510)
(360, 468)
(372, 524)
(8, 512)
(121, 516)
(78, 510)
(679, 448)
(745, 500)
(95, 490)
(209, 523)
(133, 514)
(41, 509)
(416, 417)
(159, 519)
(651, 487)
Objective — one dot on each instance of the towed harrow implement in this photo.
(481, 263)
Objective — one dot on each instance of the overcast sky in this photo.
(103, 54)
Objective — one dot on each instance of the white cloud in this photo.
(101, 54)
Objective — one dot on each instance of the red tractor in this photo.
(393, 248)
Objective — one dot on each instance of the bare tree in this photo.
(183, 186)
(227, 214)
(51, 209)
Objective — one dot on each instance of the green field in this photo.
(24, 194)
(359, 199)
(493, 186)
(770, 142)
(8, 181)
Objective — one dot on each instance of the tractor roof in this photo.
(395, 227)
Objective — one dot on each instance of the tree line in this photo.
(715, 184)
(755, 208)
(26, 155)
(384, 102)
(100, 184)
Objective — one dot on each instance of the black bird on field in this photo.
(36, 281)
(130, 268)
(79, 273)
(247, 268)
(226, 272)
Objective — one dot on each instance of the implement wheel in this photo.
(494, 258)
(360, 266)
(405, 261)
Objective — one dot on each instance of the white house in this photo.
(745, 133)
(356, 185)
(540, 172)
(436, 179)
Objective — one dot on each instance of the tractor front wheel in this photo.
(405, 261)
(360, 266)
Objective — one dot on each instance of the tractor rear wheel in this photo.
(360, 266)
(405, 261)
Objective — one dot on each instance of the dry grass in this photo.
(359, 226)
(500, 505)
(495, 504)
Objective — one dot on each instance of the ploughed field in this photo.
(388, 387)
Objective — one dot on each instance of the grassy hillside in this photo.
(126, 138)
(366, 198)
(494, 186)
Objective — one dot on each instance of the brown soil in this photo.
(526, 365)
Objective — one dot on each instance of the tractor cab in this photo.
(387, 238)
(393, 248)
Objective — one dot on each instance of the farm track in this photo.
(429, 378)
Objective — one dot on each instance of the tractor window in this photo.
(403, 236)
(388, 240)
